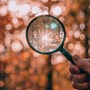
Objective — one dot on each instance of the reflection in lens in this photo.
(45, 34)
(53, 25)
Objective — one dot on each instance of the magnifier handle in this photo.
(67, 55)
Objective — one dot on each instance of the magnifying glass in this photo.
(46, 34)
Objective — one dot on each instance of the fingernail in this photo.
(76, 57)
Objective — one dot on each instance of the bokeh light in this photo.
(24, 9)
(12, 6)
(35, 9)
(8, 27)
(2, 48)
(1, 84)
(16, 46)
(56, 10)
(3, 10)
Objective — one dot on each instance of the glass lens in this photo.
(45, 34)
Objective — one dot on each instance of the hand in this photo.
(80, 80)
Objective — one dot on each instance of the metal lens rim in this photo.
(27, 29)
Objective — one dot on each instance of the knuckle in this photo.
(86, 85)
(77, 78)
(71, 76)
(84, 76)
(74, 69)
(81, 85)
(80, 78)
(81, 64)
(70, 68)
(75, 85)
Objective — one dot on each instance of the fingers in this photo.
(81, 63)
(74, 69)
(83, 86)
(79, 78)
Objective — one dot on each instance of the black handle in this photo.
(67, 55)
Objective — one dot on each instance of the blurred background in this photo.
(23, 69)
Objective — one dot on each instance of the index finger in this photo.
(74, 69)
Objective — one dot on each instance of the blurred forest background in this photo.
(23, 69)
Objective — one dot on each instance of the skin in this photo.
(80, 80)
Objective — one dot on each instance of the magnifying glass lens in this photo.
(45, 34)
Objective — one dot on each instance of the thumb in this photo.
(81, 63)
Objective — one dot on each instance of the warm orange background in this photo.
(25, 69)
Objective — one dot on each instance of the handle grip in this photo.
(69, 57)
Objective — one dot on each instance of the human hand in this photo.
(80, 80)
